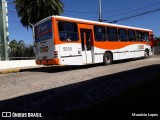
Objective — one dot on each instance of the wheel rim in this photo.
(146, 54)
(108, 60)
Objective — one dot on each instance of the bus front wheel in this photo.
(107, 58)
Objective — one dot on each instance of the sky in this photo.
(88, 9)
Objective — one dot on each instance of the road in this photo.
(72, 87)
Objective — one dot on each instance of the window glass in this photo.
(146, 36)
(68, 31)
(131, 35)
(100, 33)
(82, 39)
(139, 36)
(123, 35)
(88, 41)
(112, 34)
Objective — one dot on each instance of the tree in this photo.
(13, 48)
(18, 50)
(32, 11)
(28, 52)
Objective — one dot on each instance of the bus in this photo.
(60, 40)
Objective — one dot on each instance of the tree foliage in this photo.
(19, 51)
(32, 11)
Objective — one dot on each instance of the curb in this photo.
(23, 69)
(9, 71)
(16, 70)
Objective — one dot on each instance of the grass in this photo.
(143, 98)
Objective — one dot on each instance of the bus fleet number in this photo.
(67, 48)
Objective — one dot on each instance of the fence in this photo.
(18, 51)
(156, 50)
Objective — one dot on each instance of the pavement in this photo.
(17, 66)
(14, 66)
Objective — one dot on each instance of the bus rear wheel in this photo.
(146, 54)
(107, 58)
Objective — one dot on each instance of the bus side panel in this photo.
(102, 47)
(70, 54)
(128, 50)
(120, 50)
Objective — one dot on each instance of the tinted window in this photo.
(123, 35)
(146, 36)
(112, 34)
(100, 33)
(68, 31)
(131, 35)
(139, 36)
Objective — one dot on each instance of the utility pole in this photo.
(3, 30)
(100, 11)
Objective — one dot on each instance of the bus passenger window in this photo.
(100, 33)
(139, 36)
(68, 31)
(123, 35)
(131, 35)
(112, 34)
(145, 36)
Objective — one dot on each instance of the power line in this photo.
(81, 12)
(86, 12)
(133, 10)
(140, 14)
(134, 7)
(79, 4)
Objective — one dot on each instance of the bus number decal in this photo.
(67, 48)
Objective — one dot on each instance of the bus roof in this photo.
(91, 22)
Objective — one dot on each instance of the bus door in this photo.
(86, 45)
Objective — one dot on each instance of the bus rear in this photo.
(44, 42)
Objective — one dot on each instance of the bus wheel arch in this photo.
(146, 53)
(107, 58)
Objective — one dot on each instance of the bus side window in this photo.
(139, 36)
(122, 34)
(112, 34)
(131, 35)
(100, 33)
(146, 36)
(68, 31)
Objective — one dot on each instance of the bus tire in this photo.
(107, 58)
(146, 54)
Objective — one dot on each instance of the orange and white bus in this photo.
(62, 40)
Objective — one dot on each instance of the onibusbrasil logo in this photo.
(20, 115)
